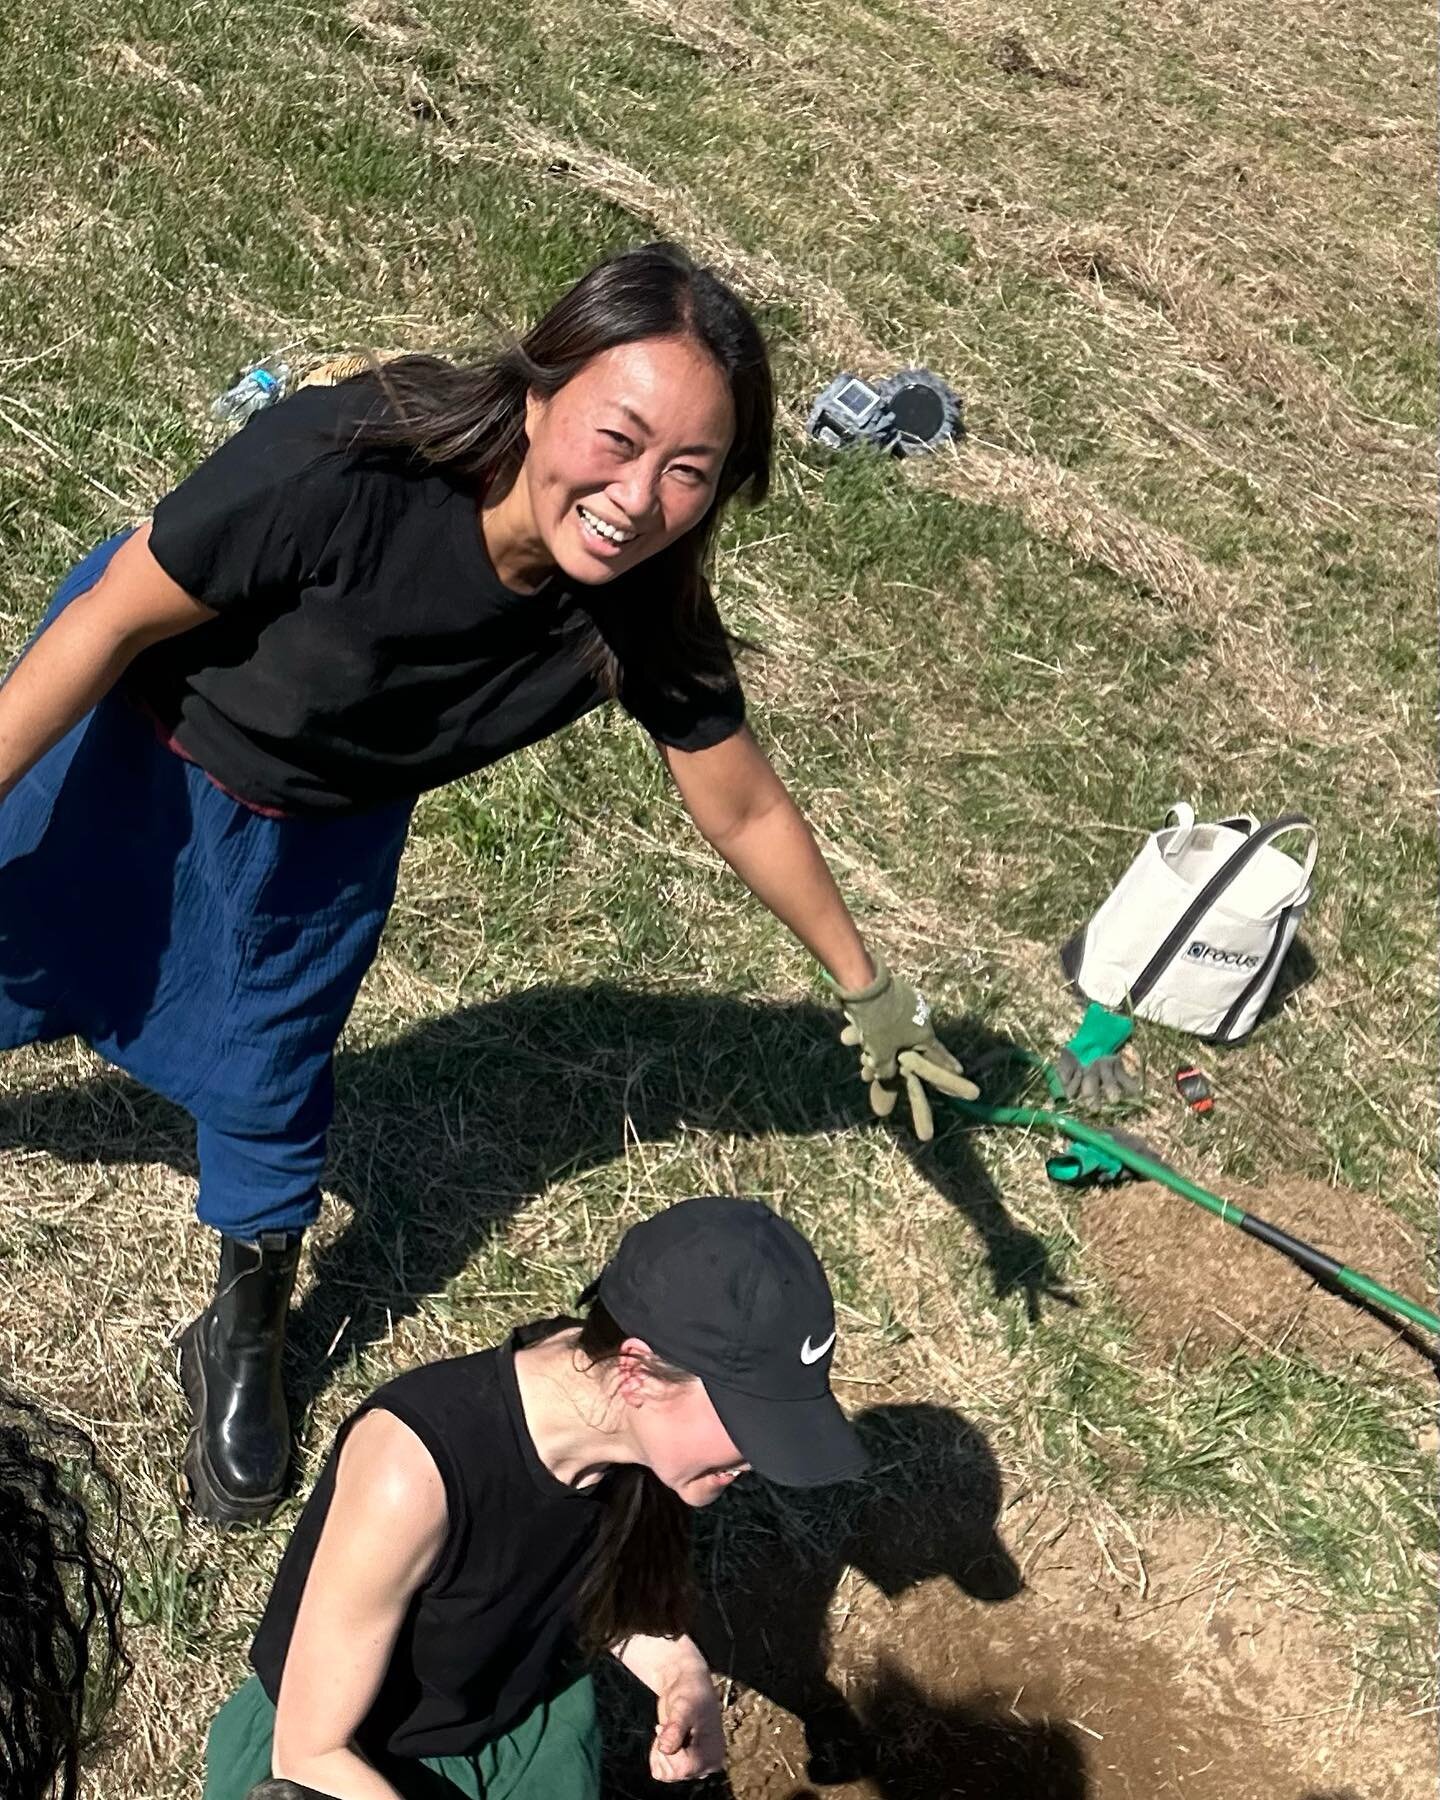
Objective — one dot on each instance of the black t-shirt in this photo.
(491, 1633)
(365, 648)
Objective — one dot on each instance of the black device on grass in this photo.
(906, 414)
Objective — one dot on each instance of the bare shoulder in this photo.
(388, 1492)
(386, 1459)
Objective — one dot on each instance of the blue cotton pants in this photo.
(212, 952)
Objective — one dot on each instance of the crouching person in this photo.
(485, 1526)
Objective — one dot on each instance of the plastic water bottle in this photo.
(259, 386)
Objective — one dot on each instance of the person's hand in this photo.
(689, 1732)
(889, 1022)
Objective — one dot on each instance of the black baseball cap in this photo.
(725, 1289)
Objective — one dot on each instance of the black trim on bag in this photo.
(1272, 956)
(1072, 956)
(1205, 899)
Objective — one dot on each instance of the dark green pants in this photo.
(552, 1754)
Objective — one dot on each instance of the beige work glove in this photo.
(889, 1022)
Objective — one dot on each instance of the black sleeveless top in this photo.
(490, 1633)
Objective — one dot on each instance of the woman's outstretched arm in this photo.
(742, 807)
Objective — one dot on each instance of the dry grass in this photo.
(1179, 266)
(1054, 503)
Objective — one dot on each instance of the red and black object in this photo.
(1194, 1090)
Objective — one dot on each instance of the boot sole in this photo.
(209, 1500)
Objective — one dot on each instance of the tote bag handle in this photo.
(1186, 924)
(1179, 822)
(1297, 822)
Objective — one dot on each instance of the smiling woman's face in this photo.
(625, 458)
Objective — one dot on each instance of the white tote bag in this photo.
(1197, 927)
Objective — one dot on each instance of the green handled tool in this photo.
(1116, 1147)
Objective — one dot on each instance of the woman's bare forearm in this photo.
(85, 650)
(69, 668)
(656, 1660)
(342, 1774)
(775, 854)
(743, 808)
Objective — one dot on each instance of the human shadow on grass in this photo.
(447, 1132)
(926, 1508)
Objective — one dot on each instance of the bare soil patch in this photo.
(1124, 1668)
(1199, 1288)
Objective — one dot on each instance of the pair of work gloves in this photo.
(889, 1023)
(1097, 1068)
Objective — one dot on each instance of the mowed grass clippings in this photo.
(1182, 269)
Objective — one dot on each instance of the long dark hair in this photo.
(469, 419)
(61, 1656)
(639, 1578)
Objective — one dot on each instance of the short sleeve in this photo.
(691, 716)
(683, 691)
(254, 516)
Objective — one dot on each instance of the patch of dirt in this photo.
(1013, 56)
(1122, 1669)
(1197, 1287)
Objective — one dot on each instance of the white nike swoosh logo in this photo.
(812, 1353)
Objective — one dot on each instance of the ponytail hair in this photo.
(639, 1579)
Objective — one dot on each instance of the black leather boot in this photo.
(239, 1444)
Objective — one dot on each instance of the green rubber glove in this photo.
(1081, 1165)
(1092, 1070)
(890, 1023)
